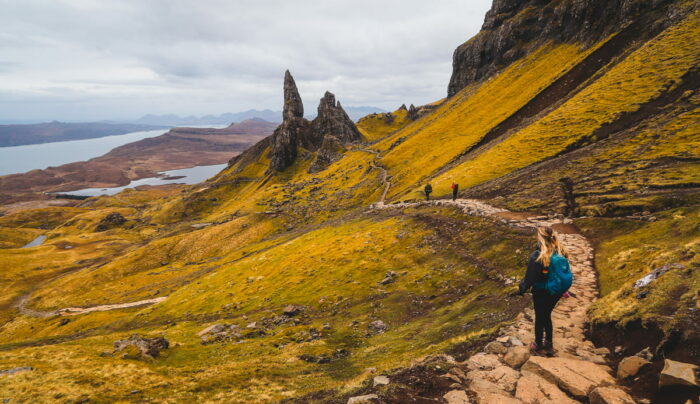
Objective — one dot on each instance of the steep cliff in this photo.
(515, 28)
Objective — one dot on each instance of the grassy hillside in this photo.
(240, 247)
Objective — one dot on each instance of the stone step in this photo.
(576, 377)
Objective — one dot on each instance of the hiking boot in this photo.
(548, 349)
(535, 349)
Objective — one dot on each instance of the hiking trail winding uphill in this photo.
(505, 372)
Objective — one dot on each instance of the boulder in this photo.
(291, 310)
(380, 381)
(378, 327)
(532, 389)
(678, 374)
(457, 397)
(516, 356)
(482, 361)
(148, 348)
(577, 377)
(609, 395)
(212, 329)
(368, 398)
(629, 366)
(495, 347)
(645, 354)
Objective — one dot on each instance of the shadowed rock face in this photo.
(514, 28)
(295, 131)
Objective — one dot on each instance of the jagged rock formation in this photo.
(332, 120)
(293, 106)
(412, 112)
(295, 131)
(514, 28)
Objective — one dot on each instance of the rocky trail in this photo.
(74, 311)
(505, 372)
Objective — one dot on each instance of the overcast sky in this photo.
(120, 59)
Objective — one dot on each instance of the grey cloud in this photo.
(120, 59)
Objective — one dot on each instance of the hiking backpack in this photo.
(559, 278)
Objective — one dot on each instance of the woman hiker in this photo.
(549, 275)
(455, 191)
(428, 189)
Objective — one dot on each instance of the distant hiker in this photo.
(549, 275)
(428, 190)
(455, 191)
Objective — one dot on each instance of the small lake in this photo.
(36, 242)
(187, 176)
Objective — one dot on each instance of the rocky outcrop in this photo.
(112, 220)
(139, 347)
(678, 374)
(331, 123)
(412, 112)
(514, 28)
(332, 120)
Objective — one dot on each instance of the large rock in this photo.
(630, 366)
(332, 120)
(495, 347)
(516, 356)
(482, 361)
(503, 377)
(367, 398)
(678, 374)
(609, 395)
(489, 393)
(577, 377)
(219, 333)
(457, 397)
(136, 344)
(532, 389)
(293, 106)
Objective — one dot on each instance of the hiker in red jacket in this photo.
(455, 191)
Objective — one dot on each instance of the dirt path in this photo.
(74, 311)
(505, 372)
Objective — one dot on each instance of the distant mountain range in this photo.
(355, 113)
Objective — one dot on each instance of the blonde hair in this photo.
(549, 244)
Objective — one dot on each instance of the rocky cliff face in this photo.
(513, 28)
(295, 131)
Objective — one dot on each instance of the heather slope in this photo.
(258, 237)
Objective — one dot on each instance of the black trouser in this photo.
(454, 194)
(427, 196)
(544, 304)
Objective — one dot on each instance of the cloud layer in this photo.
(109, 59)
